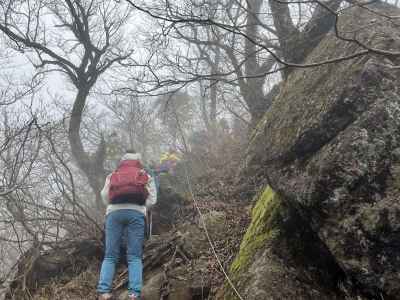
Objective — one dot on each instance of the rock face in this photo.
(330, 145)
(170, 201)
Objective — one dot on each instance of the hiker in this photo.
(152, 170)
(149, 217)
(128, 192)
(168, 162)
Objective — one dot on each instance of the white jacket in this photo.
(151, 188)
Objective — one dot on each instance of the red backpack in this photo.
(128, 183)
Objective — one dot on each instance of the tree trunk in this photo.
(92, 166)
(295, 45)
(214, 95)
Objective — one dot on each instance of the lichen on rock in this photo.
(260, 231)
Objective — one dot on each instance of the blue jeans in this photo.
(116, 223)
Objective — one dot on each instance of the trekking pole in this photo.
(150, 224)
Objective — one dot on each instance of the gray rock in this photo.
(330, 145)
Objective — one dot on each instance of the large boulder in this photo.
(330, 145)
(281, 258)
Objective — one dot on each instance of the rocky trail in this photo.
(178, 261)
(310, 211)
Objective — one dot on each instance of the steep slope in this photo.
(178, 262)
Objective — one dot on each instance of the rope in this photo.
(203, 223)
(208, 236)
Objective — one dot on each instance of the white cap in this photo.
(131, 156)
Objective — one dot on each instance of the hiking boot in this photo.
(106, 296)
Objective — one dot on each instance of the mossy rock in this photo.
(263, 228)
(274, 259)
(329, 144)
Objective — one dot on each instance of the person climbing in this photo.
(128, 192)
(154, 175)
(168, 161)
(152, 170)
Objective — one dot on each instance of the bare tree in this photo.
(79, 38)
(133, 126)
(250, 62)
(176, 112)
(39, 205)
(256, 38)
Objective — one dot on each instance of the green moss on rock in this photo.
(264, 228)
(261, 229)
